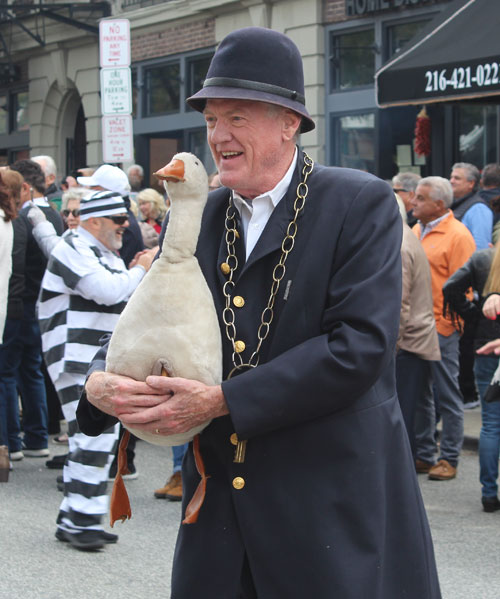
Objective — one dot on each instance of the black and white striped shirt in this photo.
(83, 292)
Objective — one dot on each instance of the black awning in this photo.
(455, 57)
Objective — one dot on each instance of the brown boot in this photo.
(443, 470)
(172, 489)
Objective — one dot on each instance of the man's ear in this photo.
(291, 124)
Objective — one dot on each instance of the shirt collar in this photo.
(38, 202)
(275, 194)
(424, 229)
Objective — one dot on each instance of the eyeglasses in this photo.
(398, 189)
(75, 212)
(118, 220)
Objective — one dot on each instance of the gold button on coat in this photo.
(238, 301)
(234, 439)
(226, 269)
(239, 346)
(238, 483)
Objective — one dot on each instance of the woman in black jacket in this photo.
(482, 274)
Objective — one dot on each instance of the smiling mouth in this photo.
(229, 155)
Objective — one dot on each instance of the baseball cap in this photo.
(109, 177)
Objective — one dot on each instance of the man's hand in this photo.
(189, 403)
(117, 395)
(144, 258)
(492, 347)
(491, 307)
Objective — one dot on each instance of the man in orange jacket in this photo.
(448, 244)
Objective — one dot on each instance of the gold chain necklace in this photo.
(231, 265)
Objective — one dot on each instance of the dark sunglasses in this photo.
(75, 212)
(118, 220)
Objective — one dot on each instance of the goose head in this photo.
(184, 177)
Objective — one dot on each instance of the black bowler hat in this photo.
(258, 64)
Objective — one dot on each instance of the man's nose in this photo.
(219, 133)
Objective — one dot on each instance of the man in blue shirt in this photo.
(468, 206)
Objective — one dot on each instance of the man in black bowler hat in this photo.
(312, 490)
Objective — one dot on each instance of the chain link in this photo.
(287, 245)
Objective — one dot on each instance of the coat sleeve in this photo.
(331, 371)
(407, 273)
(455, 292)
(92, 421)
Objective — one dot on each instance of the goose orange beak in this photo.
(173, 171)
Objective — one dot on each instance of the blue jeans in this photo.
(20, 372)
(178, 452)
(489, 438)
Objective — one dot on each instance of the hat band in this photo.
(266, 88)
(97, 209)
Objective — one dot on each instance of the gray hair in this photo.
(440, 189)
(274, 110)
(74, 193)
(47, 163)
(407, 181)
(471, 172)
(135, 167)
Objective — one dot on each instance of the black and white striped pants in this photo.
(86, 471)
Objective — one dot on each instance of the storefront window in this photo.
(477, 130)
(163, 89)
(352, 59)
(198, 145)
(197, 71)
(135, 92)
(20, 111)
(354, 141)
(399, 35)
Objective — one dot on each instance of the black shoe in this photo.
(57, 462)
(87, 540)
(490, 504)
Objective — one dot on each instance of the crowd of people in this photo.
(446, 279)
(74, 257)
(314, 400)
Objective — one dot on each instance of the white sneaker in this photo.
(16, 456)
(470, 405)
(36, 453)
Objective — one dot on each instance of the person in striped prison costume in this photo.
(84, 290)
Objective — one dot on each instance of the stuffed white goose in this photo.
(170, 321)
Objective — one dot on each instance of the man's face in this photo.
(406, 196)
(461, 187)
(250, 143)
(110, 234)
(424, 207)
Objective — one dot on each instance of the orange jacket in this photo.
(448, 247)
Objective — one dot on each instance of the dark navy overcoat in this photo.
(330, 507)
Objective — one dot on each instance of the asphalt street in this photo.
(34, 565)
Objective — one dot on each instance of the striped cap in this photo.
(102, 203)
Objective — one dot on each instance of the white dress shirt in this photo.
(255, 213)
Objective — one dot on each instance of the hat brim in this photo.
(86, 181)
(198, 101)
